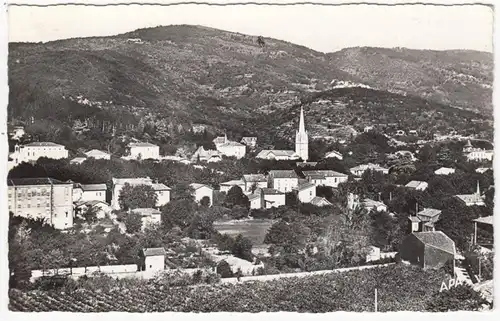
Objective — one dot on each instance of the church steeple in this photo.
(301, 139)
(478, 191)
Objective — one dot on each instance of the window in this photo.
(311, 193)
(38, 205)
(66, 214)
(18, 205)
(10, 195)
(29, 205)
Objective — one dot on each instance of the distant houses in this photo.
(444, 171)
(89, 192)
(206, 155)
(266, 198)
(251, 142)
(417, 185)
(97, 154)
(283, 180)
(254, 181)
(424, 220)
(359, 170)
(306, 191)
(334, 154)
(477, 154)
(474, 199)
(226, 186)
(325, 177)
(274, 154)
(149, 216)
(229, 148)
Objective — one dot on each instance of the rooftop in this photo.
(142, 145)
(320, 201)
(270, 191)
(437, 239)
(146, 211)
(43, 144)
(415, 184)
(93, 187)
(485, 220)
(326, 173)
(254, 178)
(429, 212)
(306, 185)
(132, 181)
(283, 174)
(95, 152)
(154, 251)
(231, 144)
(277, 152)
(91, 203)
(234, 182)
(195, 186)
(36, 181)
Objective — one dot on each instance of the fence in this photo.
(79, 271)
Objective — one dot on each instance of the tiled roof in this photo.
(271, 191)
(154, 251)
(253, 196)
(219, 140)
(233, 182)
(146, 211)
(306, 186)
(91, 203)
(414, 184)
(315, 176)
(437, 239)
(429, 212)
(276, 152)
(414, 219)
(142, 145)
(43, 144)
(326, 173)
(78, 160)
(485, 220)
(368, 203)
(160, 187)
(283, 174)
(231, 144)
(254, 178)
(132, 181)
(95, 152)
(93, 187)
(195, 186)
(471, 198)
(320, 201)
(35, 181)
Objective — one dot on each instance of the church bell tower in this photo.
(301, 139)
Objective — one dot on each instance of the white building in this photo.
(272, 197)
(33, 151)
(102, 208)
(208, 156)
(417, 185)
(229, 148)
(200, 191)
(320, 201)
(359, 170)
(45, 198)
(334, 154)
(325, 177)
(154, 259)
(275, 154)
(480, 155)
(97, 154)
(17, 133)
(283, 180)
(256, 200)
(475, 199)
(226, 186)
(444, 171)
(143, 151)
(89, 192)
(149, 216)
(254, 180)
(306, 192)
(162, 191)
(374, 205)
(302, 139)
(482, 170)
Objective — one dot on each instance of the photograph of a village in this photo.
(189, 161)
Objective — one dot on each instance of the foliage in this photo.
(235, 197)
(90, 214)
(133, 223)
(242, 248)
(137, 196)
(224, 269)
(459, 298)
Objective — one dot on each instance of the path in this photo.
(300, 274)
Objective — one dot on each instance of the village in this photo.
(62, 203)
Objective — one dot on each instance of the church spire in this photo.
(302, 126)
(478, 191)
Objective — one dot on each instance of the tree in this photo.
(224, 269)
(459, 298)
(133, 223)
(242, 248)
(205, 201)
(178, 213)
(138, 196)
(261, 42)
(90, 214)
(236, 197)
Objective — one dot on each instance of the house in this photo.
(162, 191)
(249, 141)
(320, 201)
(325, 177)
(201, 191)
(143, 151)
(480, 155)
(306, 192)
(429, 250)
(89, 192)
(256, 200)
(424, 220)
(306, 164)
(220, 140)
(45, 198)
(485, 236)
(360, 169)
(97, 154)
(17, 132)
(283, 180)
(102, 208)
(77, 160)
(413, 132)
(253, 181)
(208, 156)
(334, 154)
(275, 154)
(154, 259)
(232, 149)
(272, 197)
(417, 185)
(226, 186)
(444, 171)
(482, 170)
(468, 147)
(33, 151)
(149, 216)
(475, 199)
(370, 205)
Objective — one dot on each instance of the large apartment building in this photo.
(45, 198)
(33, 151)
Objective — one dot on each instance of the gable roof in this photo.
(96, 152)
(429, 212)
(320, 201)
(43, 144)
(196, 186)
(160, 187)
(306, 185)
(436, 239)
(91, 203)
(325, 173)
(415, 184)
(271, 191)
(154, 251)
(248, 139)
(254, 178)
(231, 144)
(141, 145)
(485, 220)
(283, 174)
(277, 153)
(93, 187)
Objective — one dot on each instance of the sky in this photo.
(321, 28)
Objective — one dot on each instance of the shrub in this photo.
(224, 269)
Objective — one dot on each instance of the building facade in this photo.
(33, 151)
(283, 180)
(97, 154)
(325, 177)
(143, 151)
(306, 192)
(254, 181)
(429, 250)
(45, 198)
(201, 191)
(89, 192)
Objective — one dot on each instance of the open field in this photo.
(254, 229)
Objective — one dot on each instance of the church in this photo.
(301, 146)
